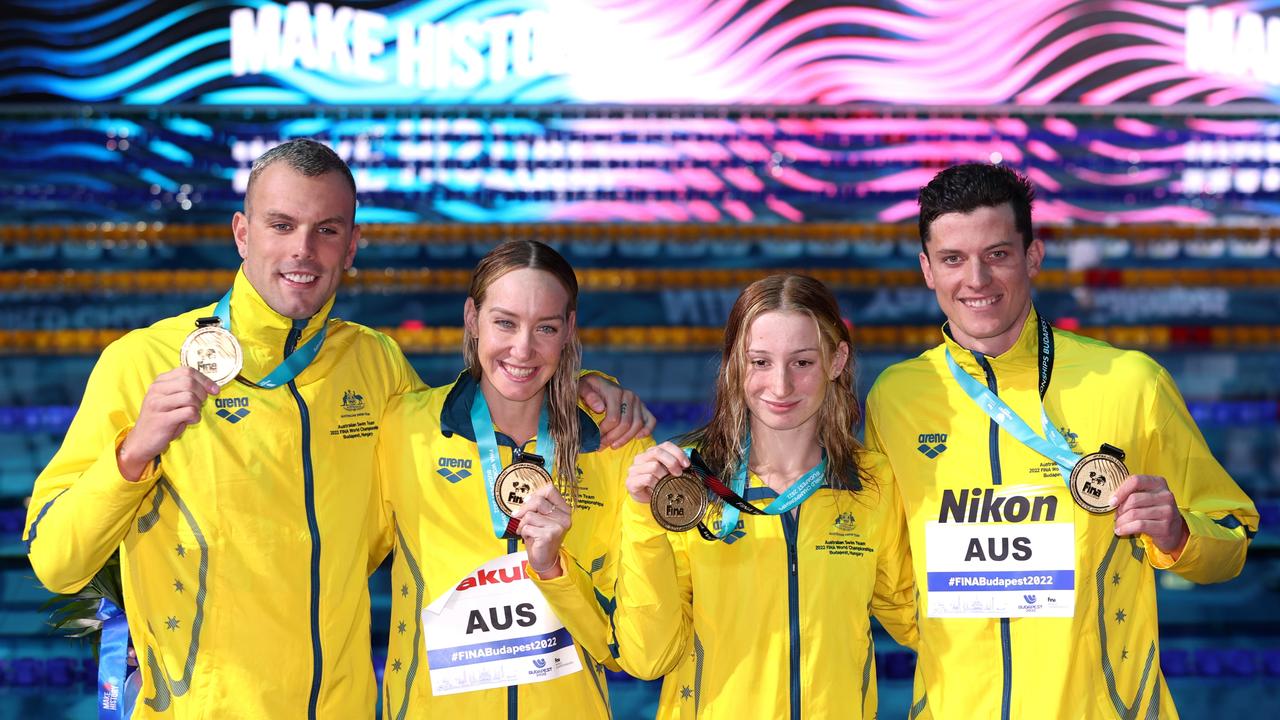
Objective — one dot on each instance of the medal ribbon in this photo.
(799, 491)
(491, 461)
(295, 363)
(112, 668)
(1052, 446)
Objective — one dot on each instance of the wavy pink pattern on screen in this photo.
(743, 179)
(1141, 177)
(1043, 181)
(800, 181)
(941, 52)
(907, 180)
(784, 209)
(1245, 128)
(1137, 127)
(947, 150)
(1172, 153)
(739, 210)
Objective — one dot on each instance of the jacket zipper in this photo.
(309, 499)
(513, 691)
(790, 530)
(1006, 642)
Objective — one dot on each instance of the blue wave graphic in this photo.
(155, 178)
(121, 45)
(168, 150)
(173, 87)
(113, 84)
(189, 126)
(255, 96)
(98, 153)
(82, 25)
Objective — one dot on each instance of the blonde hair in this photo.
(562, 390)
(720, 441)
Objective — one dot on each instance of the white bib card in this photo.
(1001, 552)
(495, 629)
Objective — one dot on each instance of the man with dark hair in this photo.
(245, 521)
(1034, 565)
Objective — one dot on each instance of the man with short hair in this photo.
(243, 520)
(1034, 566)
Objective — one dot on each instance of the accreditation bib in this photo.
(494, 629)
(1001, 552)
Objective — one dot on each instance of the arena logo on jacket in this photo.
(232, 409)
(932, 444)
(354, 421)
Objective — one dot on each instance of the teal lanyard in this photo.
(1052, 445)
(799, 491)
(296, 362)
(491, 461)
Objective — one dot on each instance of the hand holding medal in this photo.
(545, 519)
(1145, 506)
(172, 403)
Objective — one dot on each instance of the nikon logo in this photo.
(983, 505)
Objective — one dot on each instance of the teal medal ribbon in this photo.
(1053, 445)
(491, 461)
(799, 491)
(295, 363)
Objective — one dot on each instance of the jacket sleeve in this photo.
(81, 506)
(381, 523)
(653, 621)
(403, 379)
(1220, 516)
(893, 599)
(583, 596)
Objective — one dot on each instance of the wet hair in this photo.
(720, 441)
(965, 188)
(307, 157)
(562, 390)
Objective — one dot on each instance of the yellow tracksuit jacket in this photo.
(1104, 660)
(434, 488)
(773, 622)
(245, 553)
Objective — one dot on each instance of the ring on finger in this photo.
(623, 408)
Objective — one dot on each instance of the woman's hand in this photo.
(651, 466)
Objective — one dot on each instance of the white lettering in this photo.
(1244, 46)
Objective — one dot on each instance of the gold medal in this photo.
(213, 350)
(1095, 478)
(679, 502)
(516, 483)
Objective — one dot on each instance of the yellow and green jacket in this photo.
(1104, 660)
(435, 499)
(774, 620)
(245, 552)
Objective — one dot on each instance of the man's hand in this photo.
(1144, 504)
(171, 404)
(625, 416)
(545, 518)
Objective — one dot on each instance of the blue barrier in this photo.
(56, 419)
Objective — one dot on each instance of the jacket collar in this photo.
(1023, 355)
(455, 416)
(262, 331)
